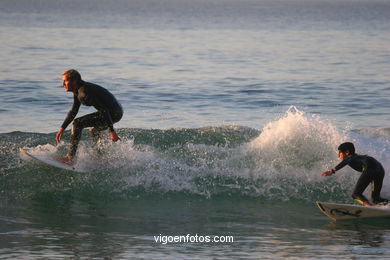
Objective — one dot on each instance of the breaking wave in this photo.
(282, 161)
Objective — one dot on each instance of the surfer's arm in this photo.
(72, 113)
(69, 118)
(59, 135)
(110, 123)
(114, 136)
(329, 173)
(338, 167)
(108, 119)
(343, 163)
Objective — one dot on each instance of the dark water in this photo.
(232, 110)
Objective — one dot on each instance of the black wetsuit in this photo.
(372, 172)
(109, 111)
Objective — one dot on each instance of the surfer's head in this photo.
(71, 79)
(346, 149)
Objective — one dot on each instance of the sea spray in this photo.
(296, 141)
(289, 154)
(283, 161)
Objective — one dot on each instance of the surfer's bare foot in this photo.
(67, 160)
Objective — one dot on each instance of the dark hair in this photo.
(347, 147)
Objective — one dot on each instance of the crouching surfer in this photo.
(109, 111)
(371, 172)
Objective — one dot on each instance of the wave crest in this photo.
(281, 162)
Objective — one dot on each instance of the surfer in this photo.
(109, 111)
(372, 172)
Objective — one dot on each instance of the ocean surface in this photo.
(233, 108)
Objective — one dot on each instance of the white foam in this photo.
(284, 162)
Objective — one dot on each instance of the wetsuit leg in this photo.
(362, 183)
(89, 120)
(376, 185)
(94, 132)
(95, 120)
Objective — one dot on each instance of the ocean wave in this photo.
(282, 161)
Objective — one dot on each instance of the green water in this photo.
(202, 183)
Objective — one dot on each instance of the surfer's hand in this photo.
(114, 136)
(327, 173)
(59, 135)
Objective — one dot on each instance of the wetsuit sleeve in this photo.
(108, 119)
(72, 113)
(343, 163)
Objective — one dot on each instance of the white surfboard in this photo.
(48, 160)
(348, 211)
